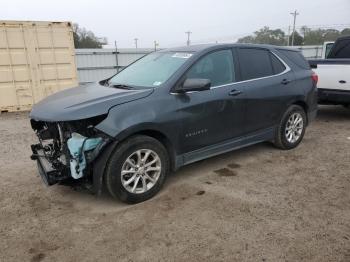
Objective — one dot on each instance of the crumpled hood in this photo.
(83, 102)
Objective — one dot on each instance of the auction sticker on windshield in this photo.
(182, 55)
(157, 83)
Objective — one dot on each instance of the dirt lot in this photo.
(254, 204)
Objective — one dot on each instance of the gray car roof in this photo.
(203, 47)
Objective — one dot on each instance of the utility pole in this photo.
(294, 14)
(136, 39)
(155, 45)
(116, 56)
(188, 37)
(288, 36)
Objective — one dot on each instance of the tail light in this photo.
(314, 78)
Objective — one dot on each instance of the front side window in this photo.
(254, 63)
(217, 67)
(152, 70)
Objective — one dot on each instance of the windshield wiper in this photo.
(121, 86)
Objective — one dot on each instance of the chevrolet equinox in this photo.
(169, 109)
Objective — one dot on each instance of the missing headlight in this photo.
(68, 147)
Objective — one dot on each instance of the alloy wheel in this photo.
(294, 127)
(141, 171)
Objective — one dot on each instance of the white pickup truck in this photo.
(334, 73)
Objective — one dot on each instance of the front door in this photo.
(215, 115)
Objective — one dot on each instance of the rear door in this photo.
(266, 82)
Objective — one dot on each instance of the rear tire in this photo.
(291, 129)
(137, 169)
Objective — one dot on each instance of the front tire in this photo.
(137, 169)
(291, 129)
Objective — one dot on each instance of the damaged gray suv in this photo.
(168, 109)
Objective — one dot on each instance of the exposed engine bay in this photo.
(66, 150)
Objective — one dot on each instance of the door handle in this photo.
(285, 81)
(234, 92)
(342, 81)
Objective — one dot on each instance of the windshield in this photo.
(150, 71)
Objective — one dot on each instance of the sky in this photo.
(167, 21)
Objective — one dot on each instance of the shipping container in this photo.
(36, 60)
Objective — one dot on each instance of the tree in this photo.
(304, 30)
(318, 36)
(84, 38)
(265, 36)
(330, 34)
(298, 39)
(313, 37)
(247, 39)
(345, 32)
(307, 36)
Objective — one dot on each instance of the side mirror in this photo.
(194, 84)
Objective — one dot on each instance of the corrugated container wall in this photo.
(97, 64)
(36, 60)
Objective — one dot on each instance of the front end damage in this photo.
(67, 150)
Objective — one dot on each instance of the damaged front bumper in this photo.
(67, 151)
(49, 174)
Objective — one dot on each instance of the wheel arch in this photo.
(162, 138)
(304, 106)
(151, 130)
(99, 165)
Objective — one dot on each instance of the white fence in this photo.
(98, 64)
(311, 51)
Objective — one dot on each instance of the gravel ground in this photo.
(254, 204)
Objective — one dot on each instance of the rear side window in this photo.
(217, 67)
(254, 63)
(296, 57)
(277, 65)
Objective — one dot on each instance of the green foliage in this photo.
(318, 36)
(84, 38)
(306, 36)
(345, 32)
(247, 39)
(298, 39)
(265, 36)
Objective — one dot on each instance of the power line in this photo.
(234, 37)
(331, 26)
(327, 26)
